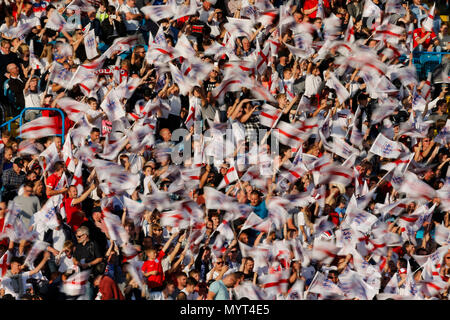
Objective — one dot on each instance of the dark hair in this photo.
(191, 281)
(91, 99)
(58, 166)
(402, 262)
(29, 183)
(95, 130)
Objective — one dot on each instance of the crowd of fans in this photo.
(332, 182)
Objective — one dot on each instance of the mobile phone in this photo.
(113, 16)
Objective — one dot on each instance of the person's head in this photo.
(68, 247)
(333, 276)
(151, 254)
(181, 280)
(169, 288)
(58, 142)
(245, 44)
(6, 46)
(73, 192)
(82, 234)
(230, 280)
(298, 16)
(95, 134)
(195, 274)
(255, 198)
(206, 5)
(15, 264)
(58, 168)
(249, 264)
(190, 284)
(157, 230)
(93, 103)
(2, 209)
(409, 248)
(447, 259)
(12, 69)
(8, 153)
(243, 237)
(38, 188)
(18, 165)
(165, 134)
(28, 189)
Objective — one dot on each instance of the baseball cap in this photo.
(19, 162)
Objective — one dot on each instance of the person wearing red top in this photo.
(107, 288)
(4, 241)
(425, 40)
(53, 179)
(310, 7)
(72, 204)
(152, 268)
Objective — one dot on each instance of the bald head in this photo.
(13, 69)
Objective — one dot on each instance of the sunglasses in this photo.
(219, 262)
(80, 235)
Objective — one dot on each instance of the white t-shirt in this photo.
(7, 284)
(131, 25)
(58, 239)
(204, 15)
(175, 105)
(301, 221)
(5, 30)
(32, 20)
(32, 99)
(312, 84)
(65, 263)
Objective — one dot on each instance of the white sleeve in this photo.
(301, 219)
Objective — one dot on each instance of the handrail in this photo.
(8, 123)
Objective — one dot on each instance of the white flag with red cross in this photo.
(230, 176)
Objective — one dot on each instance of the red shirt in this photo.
(154, 281)
(73, 214)
(334, 218)
(419, 34)
(52, 181)
(309, 4)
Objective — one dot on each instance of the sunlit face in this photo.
(8, 154)
(2, 209)
(254, 200)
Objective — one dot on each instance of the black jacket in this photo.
(68, 233)
(107, 30)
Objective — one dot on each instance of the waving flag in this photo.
(157, 12)
(115, 229)
(325, 287)
(77, 179)
(341, 92)
(56, 21)
(230, 177)
(112, 106)
(428, 23)
(40, 127)
(349, 35)
(90, 45)
(416, 188)
(74, 109)
(275, 283)
(289, 134)
(68, 155)
(76, 284)
(386, 148)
